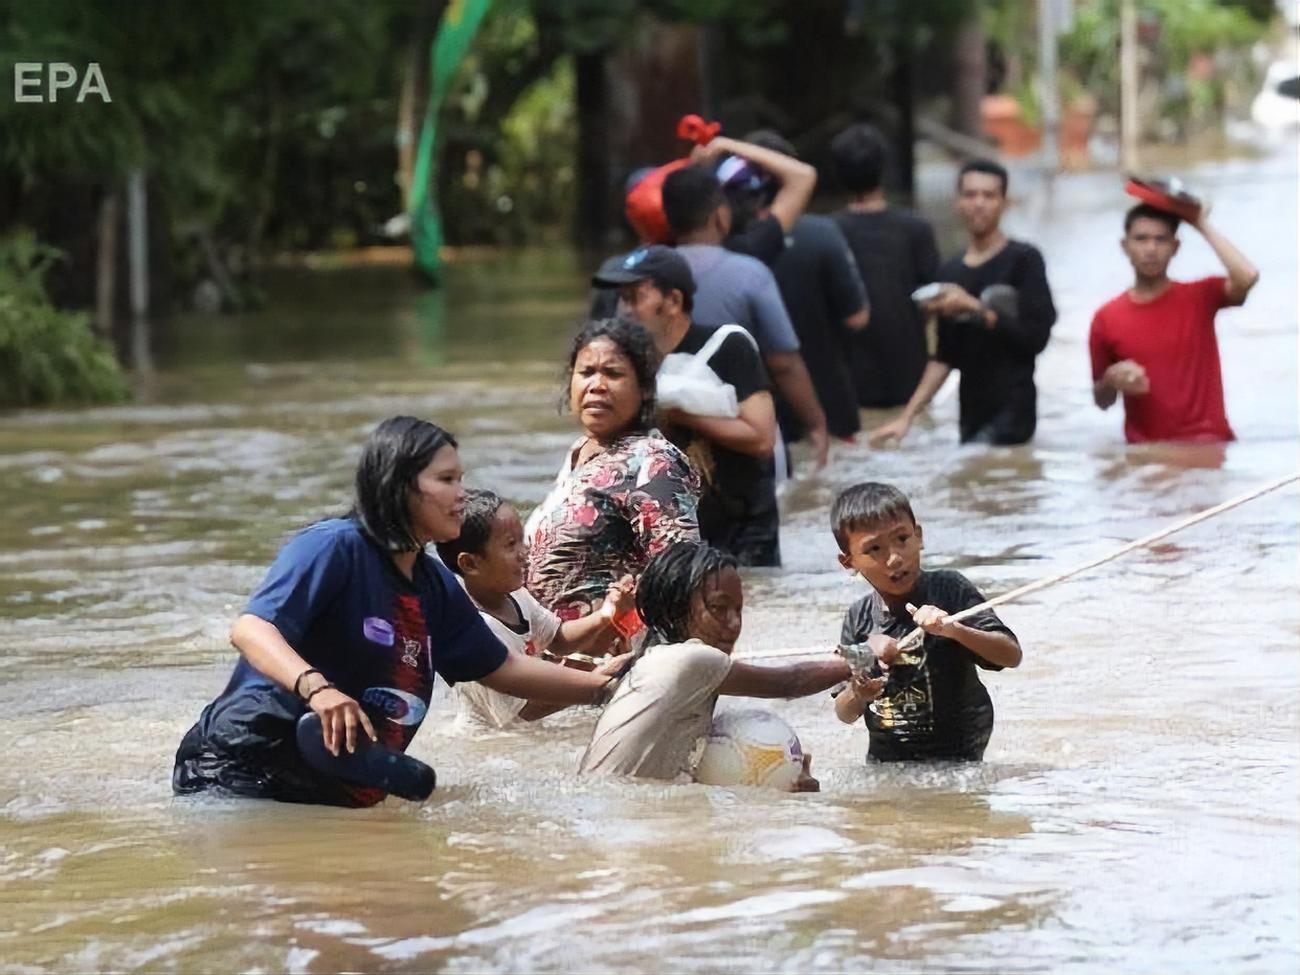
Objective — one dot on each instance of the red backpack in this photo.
(644, 204)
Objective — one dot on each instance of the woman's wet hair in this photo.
(669, 580)
(391, 461)
(636, 345)
(866, 505)
(481, 508)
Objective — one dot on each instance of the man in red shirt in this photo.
(1155, 343)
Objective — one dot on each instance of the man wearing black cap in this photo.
(731, 447)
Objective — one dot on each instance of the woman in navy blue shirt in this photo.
(352, 621)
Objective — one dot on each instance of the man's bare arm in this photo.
(797, 179)
(1242, 274)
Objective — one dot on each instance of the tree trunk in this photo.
(969, 80)
(902, 95)
(655, 80)
(137, 228)
(106, 265)
(594, 190)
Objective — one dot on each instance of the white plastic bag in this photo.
(687, 384)
(686, 381)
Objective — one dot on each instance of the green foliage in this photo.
(1176, 32)
(272, 125)
(261, 122)
(510, 133)
(46, 355)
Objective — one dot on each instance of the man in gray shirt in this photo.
(733, 287)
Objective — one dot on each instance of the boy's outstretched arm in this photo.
(993, 645)
(589, 633)
(792, 680)
(595, 631)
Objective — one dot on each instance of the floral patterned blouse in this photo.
(606, 518)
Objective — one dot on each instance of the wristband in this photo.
(323, 687)
(298, 682)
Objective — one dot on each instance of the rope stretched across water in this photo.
(917, 634)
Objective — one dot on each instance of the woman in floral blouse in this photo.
(624, 493)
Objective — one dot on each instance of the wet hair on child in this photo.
(669, 580)
(481, 508)
(862, 506)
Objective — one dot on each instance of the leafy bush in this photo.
(47, 356)
(1173, 34)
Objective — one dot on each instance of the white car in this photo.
(1277, 106)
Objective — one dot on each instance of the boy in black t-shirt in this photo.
(737, 512)
(927, 703)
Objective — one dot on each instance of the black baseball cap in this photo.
(658, 261)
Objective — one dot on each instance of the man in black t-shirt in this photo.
(738, 511)
(995, 316)
(824, 295)
(896, 254)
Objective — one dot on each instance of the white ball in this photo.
(751, 747)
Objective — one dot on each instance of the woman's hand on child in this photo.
(614, 666)
(934, 620)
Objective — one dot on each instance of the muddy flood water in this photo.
(1137, 809)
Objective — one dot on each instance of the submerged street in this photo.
(1138, 799)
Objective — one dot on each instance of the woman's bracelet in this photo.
(297, 684)
(324, 687)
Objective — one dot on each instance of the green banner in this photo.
(456, 33)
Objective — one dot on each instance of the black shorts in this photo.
(243, 745)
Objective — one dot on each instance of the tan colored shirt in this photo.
(658, 720)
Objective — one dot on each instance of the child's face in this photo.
(500, 566)
(887, 554)
(716, 610)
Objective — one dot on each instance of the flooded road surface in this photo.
(1137, 809)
